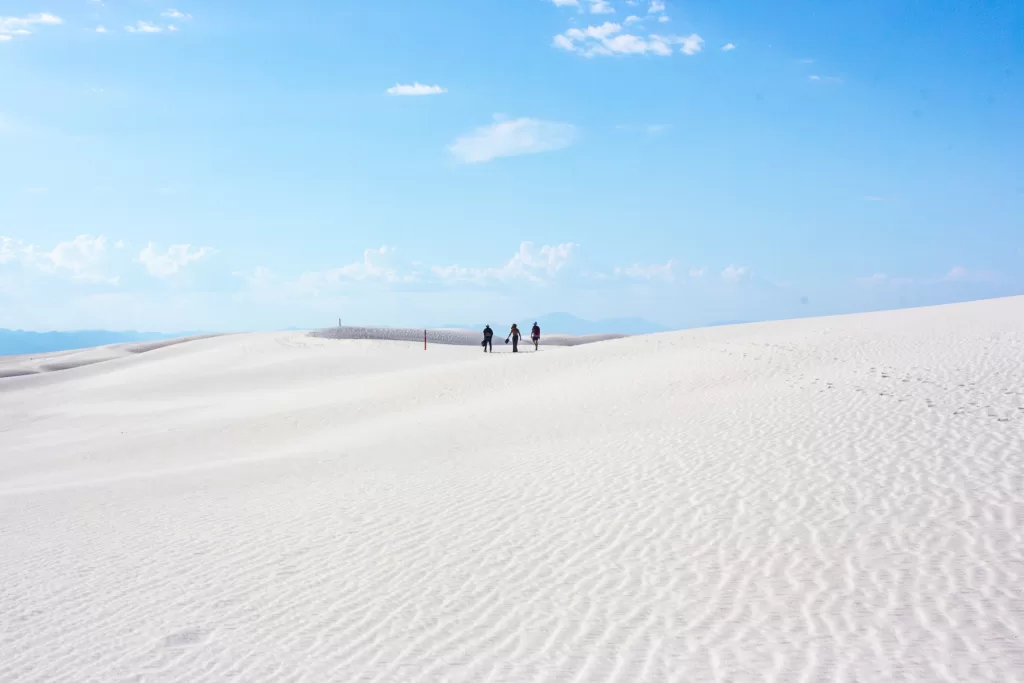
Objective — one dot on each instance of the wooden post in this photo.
(424, 340)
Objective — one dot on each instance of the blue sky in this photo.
(264, 165)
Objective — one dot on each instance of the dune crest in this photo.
(836, 499)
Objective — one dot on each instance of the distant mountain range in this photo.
(19, 342)
(566, 323)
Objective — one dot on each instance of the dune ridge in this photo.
(833, 499)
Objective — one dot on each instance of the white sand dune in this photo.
(31, 364)
(452, 336)
(835, 499)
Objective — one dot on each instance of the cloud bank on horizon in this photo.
(684, 164)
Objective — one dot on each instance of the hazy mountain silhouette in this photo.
(19, 342)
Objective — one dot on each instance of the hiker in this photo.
(535, 335)
(514, 335)
(488, 333)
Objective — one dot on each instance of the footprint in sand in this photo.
(188, 638)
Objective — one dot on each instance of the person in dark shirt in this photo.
(535, 335)
(488, 333)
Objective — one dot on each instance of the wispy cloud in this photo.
(81, 259)
(171, 262)
(697, 272)
(22, 26)
(175, 14)
(656, 7)
(728, 47)
(954, 274)
(566, 3)
(961, 274)
(416, 89)
(601, 7)
(608, 39)
(507, 138)
(655, 271)
(101, 29)
(734, 273)
(375, 266)
(529, 263)
(875, 278)
(143, 27)
(814, 78)
(650, 128)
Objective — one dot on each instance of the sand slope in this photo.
(53, 361)
(454, 336)
(820, 500)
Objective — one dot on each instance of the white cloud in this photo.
(656, 7)
(632, 19)
(529, 263)
(10, 250)
(369, 268)
(814, 78)
(601, 7)
(873, 198)
(961, 274)
(373, 268)
(566, 3)
(657, 128)
(608, 39)
(102, 29)
(175, 14)
(172, 28)
(650, 272)
(664, 19)
(21, 26)
(697, 272)
(691, 44)
(728, 47)
(81, 258)
(143, 27)
(173, 260)
(506, 138)
(734, 273)
(416, 89)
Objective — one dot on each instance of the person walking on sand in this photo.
(514, 335)
(488, 333)
(535, 335)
